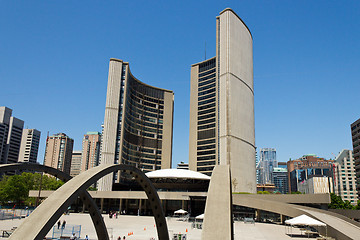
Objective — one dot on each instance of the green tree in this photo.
(16, 188)
(338, 203)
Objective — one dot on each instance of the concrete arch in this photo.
(95, 214)
(339, 226)
(39, 223)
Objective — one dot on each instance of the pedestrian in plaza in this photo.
(63, 224)
(124, 238)
(86, 237)
(59, 223)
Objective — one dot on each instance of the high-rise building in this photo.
(222, 128)
(280, 179)
(10, 136)
(58, 152)
(306, 167)
(75, 168)
(138, 124)
(266, 165)
(344, 177)
(355, 133)
(90, 150)
(29, 145)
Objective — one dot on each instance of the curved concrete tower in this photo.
(138, 124)
(222, 129)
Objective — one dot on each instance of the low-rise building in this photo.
(315, 185)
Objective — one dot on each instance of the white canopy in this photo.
(180, 211)
(305, 221)
(201, 216)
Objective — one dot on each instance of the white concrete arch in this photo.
(95, 214)
(39, 223)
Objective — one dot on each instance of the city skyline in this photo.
(305, 66)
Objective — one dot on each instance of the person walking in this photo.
(59, 223)
(63, 224)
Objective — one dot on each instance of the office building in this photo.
(344, 177)
(10, 136)
(266, 165)
(90, 150)
(306, 167)
(29, 145)
(138, 124)
(355, 134)
(76, 165)
(280, 179)
(58, 152)
(222, 106)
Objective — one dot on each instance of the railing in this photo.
(6, 214)
(66, 232)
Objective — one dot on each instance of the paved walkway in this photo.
(143, 228)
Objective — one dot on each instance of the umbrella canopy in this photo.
(180, 211)
(305, 221)
(201, 216)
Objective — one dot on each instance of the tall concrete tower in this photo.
(222, 129)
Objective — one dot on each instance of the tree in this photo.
(16, 188)
(338, 203)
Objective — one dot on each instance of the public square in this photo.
(143, 228)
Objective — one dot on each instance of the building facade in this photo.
(76, 165)
(280, 179)
(316, 185)
(29, 145)
(138, 124)
(266, 165)
(90, 150)
(344, 180)
(355, 134)
(306, 167)
(11, 129)
(58, 152)
(222, 106)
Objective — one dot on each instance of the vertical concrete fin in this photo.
(218, 208)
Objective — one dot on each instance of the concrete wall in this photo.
(166, 156)
(110, 120)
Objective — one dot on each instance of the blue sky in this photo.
(54, 59)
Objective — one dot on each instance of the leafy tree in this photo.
(338, 203)
(357, 207)
(16, 188)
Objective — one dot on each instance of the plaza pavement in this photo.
(143, 228)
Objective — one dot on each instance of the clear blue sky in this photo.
(54, 59)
